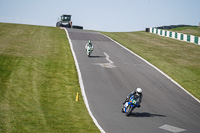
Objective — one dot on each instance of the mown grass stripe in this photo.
(39, 82)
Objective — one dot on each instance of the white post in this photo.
(150, 30)
(163, 32)
(167, 34)
(184, 37)
(192, 38)
(158, 31)
(179, 36)
(199, 41)
(173, 34)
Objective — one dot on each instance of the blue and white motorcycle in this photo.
(129, 106)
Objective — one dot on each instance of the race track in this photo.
(113, 72)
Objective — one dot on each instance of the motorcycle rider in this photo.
(138, 92)
(88, 45)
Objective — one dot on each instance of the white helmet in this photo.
(139, 90)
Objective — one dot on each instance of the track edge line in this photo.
(81, 84)
(154, 68)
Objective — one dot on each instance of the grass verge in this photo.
(180, 60)
(38, 82)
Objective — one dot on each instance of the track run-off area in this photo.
(112, 72)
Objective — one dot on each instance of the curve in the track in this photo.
(113, 72)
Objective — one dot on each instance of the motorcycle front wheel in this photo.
(129, 110)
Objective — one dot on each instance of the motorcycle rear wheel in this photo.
(123, 110)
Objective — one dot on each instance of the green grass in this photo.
(194, 30)
(180, 60)
(38, 82)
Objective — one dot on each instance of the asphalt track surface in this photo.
(112, 72)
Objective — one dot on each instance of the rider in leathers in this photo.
(88, 45)
(138, 92)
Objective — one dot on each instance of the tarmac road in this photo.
(113, 72)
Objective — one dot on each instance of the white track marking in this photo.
(172, 128)
(108, 57)
(108, 65)
(82, 86)
(155, 68)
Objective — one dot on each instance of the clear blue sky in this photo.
(103, 15)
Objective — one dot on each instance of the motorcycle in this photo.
(129, 106)
(89, 51)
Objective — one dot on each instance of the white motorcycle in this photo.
(89, 51)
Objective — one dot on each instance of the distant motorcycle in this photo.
(129, 106)
(89, 51)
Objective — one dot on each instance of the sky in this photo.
(103, 15)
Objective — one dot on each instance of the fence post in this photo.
(182, 37)
(199, 40)
(188, 38)
(176, 36)
(192, 38)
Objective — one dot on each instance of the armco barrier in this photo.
(175, 35)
